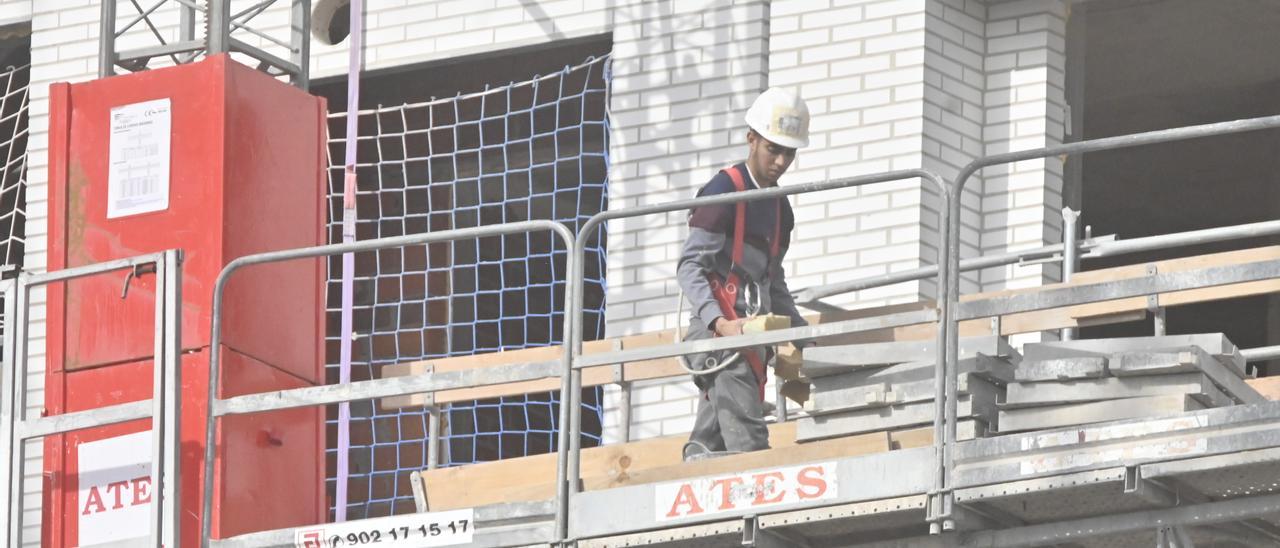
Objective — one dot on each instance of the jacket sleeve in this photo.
(697, 259)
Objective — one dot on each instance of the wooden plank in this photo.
(1027, 322)
(512, 480)
(635, 371)
(1268, 387)
(1180, 265)
(841, 447)
(534, 476)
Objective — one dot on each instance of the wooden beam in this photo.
(533, 477)
(600, 375)
(849, 446)
(1269, 387)
(1114, 311)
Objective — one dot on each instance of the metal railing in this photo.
(952, 318)
(164, 407)
(377, 388)
(945, 221)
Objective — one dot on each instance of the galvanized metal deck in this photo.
(1216, 472)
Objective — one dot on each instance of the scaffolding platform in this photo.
(1107, 473)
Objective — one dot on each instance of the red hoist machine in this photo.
(245, 162)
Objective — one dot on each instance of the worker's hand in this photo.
(728, 328)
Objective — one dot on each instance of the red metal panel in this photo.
(247, 174)
(271, 464)
(274, 199)
(102, 327)
(263, 458)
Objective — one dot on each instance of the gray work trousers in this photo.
(730, 413)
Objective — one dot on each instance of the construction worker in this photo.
(731, 269)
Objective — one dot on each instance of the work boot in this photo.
(696, 451)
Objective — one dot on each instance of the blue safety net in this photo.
(13, 161)
(536, 149)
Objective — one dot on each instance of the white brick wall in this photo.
(859, 66)
(953, 117)
(1025, 108)
(14, 11)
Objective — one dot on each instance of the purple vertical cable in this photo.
(348, 259)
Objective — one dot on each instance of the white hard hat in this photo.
(781, 117)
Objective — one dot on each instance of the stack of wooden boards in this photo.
(1079, 382)
(890, 386)
(647, 461)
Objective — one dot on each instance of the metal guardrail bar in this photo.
(382, 388)
(570, 470)
(163, 407)
(92, 269)
(79, 420)
(953, 231)
(1119, 289)
(772, 337)
(10, 399)
(1094, 248)
(327, 394)
(811, 294)
(1261, 354)
(1180, 239)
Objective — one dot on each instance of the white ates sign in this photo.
(114, 501)
(138, 177)
(729, 493)
(427, 530)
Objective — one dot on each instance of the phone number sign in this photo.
(418, 530)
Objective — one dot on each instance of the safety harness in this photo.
(726, 290)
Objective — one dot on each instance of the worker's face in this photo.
(768, 160)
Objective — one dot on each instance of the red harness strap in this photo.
(726, 293)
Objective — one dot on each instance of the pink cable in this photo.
(348, 259)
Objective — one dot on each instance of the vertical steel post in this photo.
(300, 42)
(7, 363)
(159, 399)
(107, 39)
(218, 39)
(186, 22)
(17, 390)
(779, 400)
(433, 437)
(569, 440)
(624, 411)
(170, 488)
(1070, 254)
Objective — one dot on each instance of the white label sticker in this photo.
(428, 530)
(138, 176)
(114, 500)
(716, 495)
